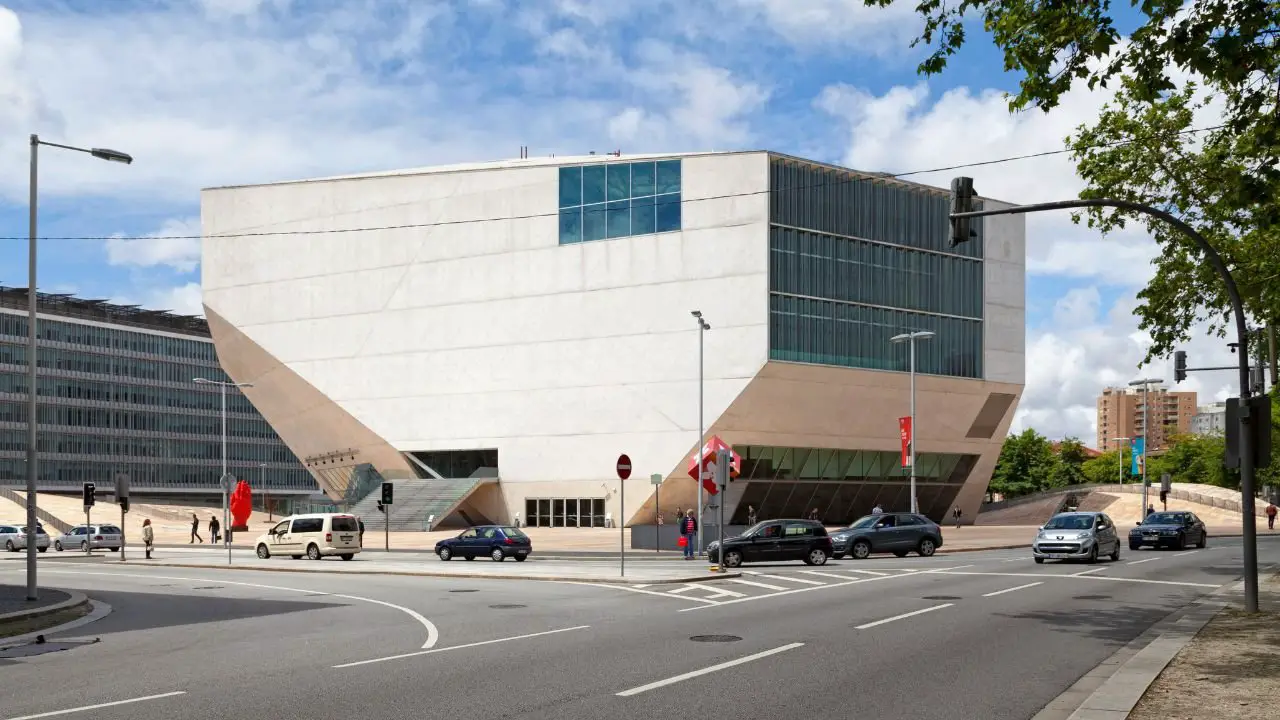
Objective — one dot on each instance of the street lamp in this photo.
(703, 327)
(1120, 457)
(226, 514)
(32, 408)
(1145, 384)
(910, 339)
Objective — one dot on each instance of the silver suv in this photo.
(1077, 536)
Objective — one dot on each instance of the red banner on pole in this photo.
(904, 428)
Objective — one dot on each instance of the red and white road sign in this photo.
(624, 467)
(709, 450)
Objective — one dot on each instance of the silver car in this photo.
(1077, 536)
(85, 537)
(14, 538)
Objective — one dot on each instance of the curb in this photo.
(76, 600)
(455, 576)
(100, 610)
(944, 551)
(1112, 689)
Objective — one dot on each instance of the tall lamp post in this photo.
(1145, 384)
(910, 339)
(1120, 456)
(223, 481)
(32, 411)
(703, 327)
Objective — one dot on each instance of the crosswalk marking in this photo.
(819, 573)
(684, 589)
(755, 584)
(785, 578)
(868, 572)
(721, 592)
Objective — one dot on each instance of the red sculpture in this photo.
(241, 507)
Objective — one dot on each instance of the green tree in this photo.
(1026, 465)
(1106, 468)
(1194, 459)
(1069, 466)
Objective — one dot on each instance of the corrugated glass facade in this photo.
(855, 261)
(120, 400)
(619, 199)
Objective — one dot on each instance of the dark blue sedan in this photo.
(1169, 529)
(498, 542)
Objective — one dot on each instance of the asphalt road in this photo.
(992, 636)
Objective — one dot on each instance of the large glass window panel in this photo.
(668, 174)
(593, 184)
(619, 219)
(594, 224)
(668, 213)
(557, 513)
(643, 217)
(570, 186)
(618, 181)
(597, 512)
(571, 513)
(570, 226)
(642, 179)
(544, 513)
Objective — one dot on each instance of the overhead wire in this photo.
(859, 176)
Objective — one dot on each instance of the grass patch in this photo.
(13, 628)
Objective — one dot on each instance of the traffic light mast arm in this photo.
(962, 193)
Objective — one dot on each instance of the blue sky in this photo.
(212, 92)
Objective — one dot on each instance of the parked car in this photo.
(14, 538)
(87, 537)
(1077, 536)
(775, 541)
(315, 535)
(897, 533)
(499, 542)
(1169, 529)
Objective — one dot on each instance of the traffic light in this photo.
(124, 504)
(1179, 366)
(962, 195)
(388, 491)
(88, 494)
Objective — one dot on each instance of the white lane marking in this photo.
(1082, 577)
(795, 591)
(708, 670)
(869, 572)
(634, 589)
(433, 635)
(819, 573)
(683, 589)
(903, 616)
(721, 592)
(99, 706)
(1087, 572)
(1012, 589)
(642, 586)
(460, 647)
(1139, 562)
(785, 578)
(753, 583)
(1189, 552)
(1015, 559)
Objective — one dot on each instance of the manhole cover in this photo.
(1092, 597)
(715, 638)
(941, 597)
(507, 607)
(209, 587)
(455, 591)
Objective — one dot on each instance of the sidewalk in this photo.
(1231, 668)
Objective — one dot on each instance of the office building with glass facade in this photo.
(526, 322)
(115, 396)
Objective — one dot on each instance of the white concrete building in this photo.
(493, 336)
(1210, 419)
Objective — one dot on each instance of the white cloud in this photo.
(843, 23)
(181, 300)
(176, 244)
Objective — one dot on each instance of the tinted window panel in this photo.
(619, 219)
(570, 186)
(345, 524)
(668, 174)
(593, 184)
(668, 213)
(618, 180)
(593, 223)
(570, 226)
(642, 179)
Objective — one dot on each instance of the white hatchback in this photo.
(85, 537)
(316, 536)
(14, 538)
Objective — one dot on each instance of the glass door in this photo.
(531, 513)
(597, 512)
(557, 513)
(544, 513)
(571, 513)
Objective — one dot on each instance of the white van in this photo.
(315, 535)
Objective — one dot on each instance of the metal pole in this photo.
(32, 408)
(1146, 420)
(622, 526)
(657, 528)
(88, 538)
(226, 518)
(914, 430)
(386, 529)
(1249, 527)
(701, 440)
(727, 458)
(1120, 462)
(121, 531)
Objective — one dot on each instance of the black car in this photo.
(498, 542)
(775, 541)
(1169, 529)
(897, 533)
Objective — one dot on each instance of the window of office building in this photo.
(613, 200)
(564, 512)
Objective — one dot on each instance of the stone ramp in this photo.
(1034, 512)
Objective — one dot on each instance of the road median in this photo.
(67, 605)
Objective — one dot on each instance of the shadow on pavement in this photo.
(1117, 623)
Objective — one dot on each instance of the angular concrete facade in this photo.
(390, 319)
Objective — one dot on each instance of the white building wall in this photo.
(1005, 288)
(478, 332)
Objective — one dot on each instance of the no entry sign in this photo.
(624, 467)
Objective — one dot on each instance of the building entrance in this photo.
(564, 512)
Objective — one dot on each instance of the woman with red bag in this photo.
(688, 531)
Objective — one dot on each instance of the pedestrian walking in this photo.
(813, 514)
(877, 510)
(751, 515)
(1271, 516)
(689, 531)
(1151, 508)
(195, 530)
(148, 536)
(957, 513)
(214, 528)
(360, 522)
